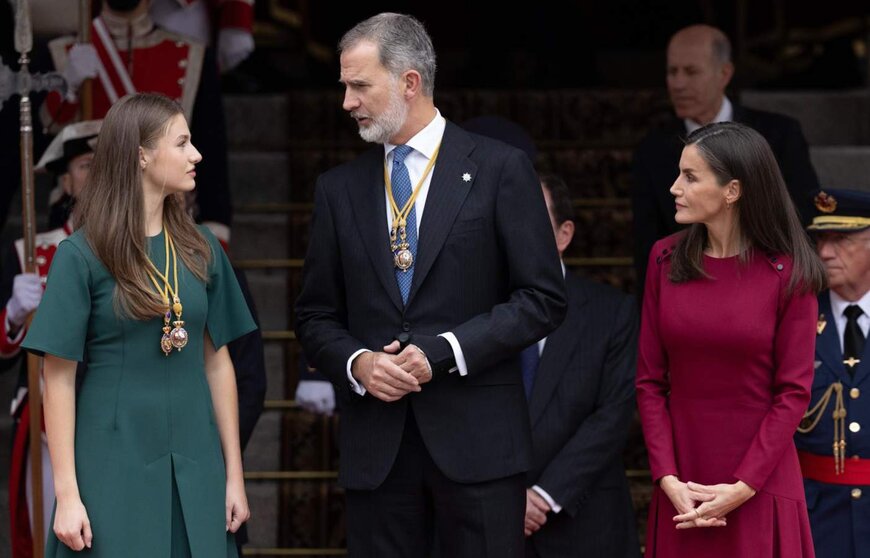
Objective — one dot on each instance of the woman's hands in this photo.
(71, 524)
(718, 500)
(685, 500)
(237, 505)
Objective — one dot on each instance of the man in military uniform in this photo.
(833, 440)
(130, 54)
(68, 157)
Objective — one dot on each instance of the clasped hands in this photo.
(704, 505)
(392, 374)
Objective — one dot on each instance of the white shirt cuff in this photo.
(457, 354)
(556, 508)
(354, 385)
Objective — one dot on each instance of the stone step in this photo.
(263, 502)
(277, 372)
(257, 236)
(271, 297)
(827, 117)
(257, 177)
(256, 121)
(842, 166)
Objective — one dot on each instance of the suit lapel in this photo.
(447, 192)
(369, 208)
(558, 351)
(828, 342)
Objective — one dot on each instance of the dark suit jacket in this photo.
(581, 408)
(486, 270)
(656, 166)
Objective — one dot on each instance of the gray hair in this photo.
(721, 48)
(402, 42)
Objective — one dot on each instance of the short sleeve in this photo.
(228, 314)
(60, 325)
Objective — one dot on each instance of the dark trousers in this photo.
(417, 503)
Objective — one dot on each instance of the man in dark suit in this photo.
(837, 482)
(580, 381)
(421, 339)
(699, 69)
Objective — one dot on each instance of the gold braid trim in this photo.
(839, 415)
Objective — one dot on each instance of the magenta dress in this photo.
(725, 366)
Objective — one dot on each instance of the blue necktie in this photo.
(529, 359)
(402, 191)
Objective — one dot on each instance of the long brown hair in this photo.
(767, 216)
(111, 207)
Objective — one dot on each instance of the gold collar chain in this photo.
(403, 258)
(173, 337)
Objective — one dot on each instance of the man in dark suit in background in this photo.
(699, 69)
(580, 383)
(421, 339)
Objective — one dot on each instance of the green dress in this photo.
(146, 442)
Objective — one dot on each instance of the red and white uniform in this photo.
(20, 509)
(160, 61)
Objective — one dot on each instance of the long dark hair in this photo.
(111, 211)
(767, 216)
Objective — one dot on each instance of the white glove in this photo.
(316, 396)
(26, 294)
(82, 63)
(234, 45)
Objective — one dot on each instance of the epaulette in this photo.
(666, 253)
(774, 261)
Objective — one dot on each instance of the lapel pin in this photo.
(820, 325)
(466, 177)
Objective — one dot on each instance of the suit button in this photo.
(406, 326)
(779, 267)
(854, 393)
(854, 427)
(856, 493)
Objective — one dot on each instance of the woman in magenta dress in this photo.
(725, 362)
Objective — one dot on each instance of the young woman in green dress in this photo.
(146, 455)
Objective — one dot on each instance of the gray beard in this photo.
(388, 124)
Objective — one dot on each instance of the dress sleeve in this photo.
(653, 383)
(228, 314)
(793, 351)
(60, 325)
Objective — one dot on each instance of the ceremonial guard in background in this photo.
(68, 157)
(832, 440)
(224, 25)
(131, 54)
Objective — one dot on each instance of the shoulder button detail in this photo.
(779, 267)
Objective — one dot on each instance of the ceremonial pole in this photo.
(23, 45)
(85, 38)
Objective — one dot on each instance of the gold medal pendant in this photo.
(402, 256)
(173, 337)
(179, 335)
(403, 259)
(165, 341)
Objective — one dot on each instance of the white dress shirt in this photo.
(839, 305)
(423, 145)
(726, 114)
